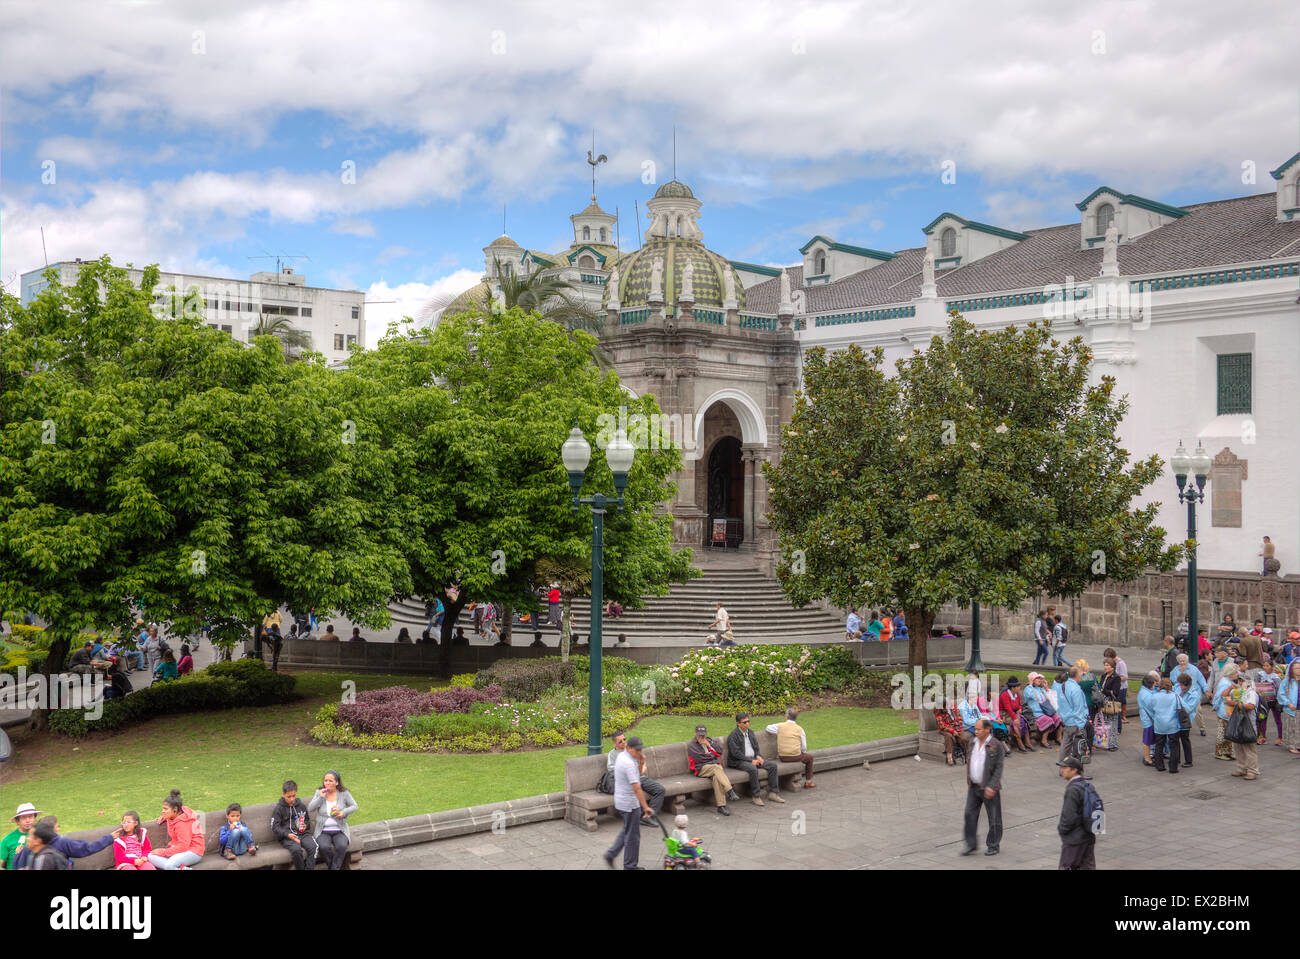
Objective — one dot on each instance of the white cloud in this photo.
(353, 227)
(412, 300)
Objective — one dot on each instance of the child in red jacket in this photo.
(131, 849)
(184, 834)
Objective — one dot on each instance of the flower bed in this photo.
(385, 711)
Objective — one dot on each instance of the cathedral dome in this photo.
(675, 188)
(707, 280)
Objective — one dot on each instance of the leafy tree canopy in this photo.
(988, 467)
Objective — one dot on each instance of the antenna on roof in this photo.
(278, 257)
(674, 151)
(503, 220)
(618, 236)
(637, 209)
(43, 253)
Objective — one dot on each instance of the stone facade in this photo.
(1139, 613)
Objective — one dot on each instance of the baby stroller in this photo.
(675, 859)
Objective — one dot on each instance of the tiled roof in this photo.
(1212, 234)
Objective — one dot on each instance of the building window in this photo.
(587, 263)
(586, 233)
(1234, 383)
(948, 242)
(225, 328)
(819, 263)
(306, 311)
(214, 326)
(356, 312)
(603, 235)
(338, 341)
(1105, 217)
(351, 339)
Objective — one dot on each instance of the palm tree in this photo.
(552, 297)
(292, 340)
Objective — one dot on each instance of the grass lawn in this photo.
(216, 758)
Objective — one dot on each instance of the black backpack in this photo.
(606, 784)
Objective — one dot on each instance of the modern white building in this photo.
(335, 319)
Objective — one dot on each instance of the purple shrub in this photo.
(385, 710)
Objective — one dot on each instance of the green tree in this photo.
(986, 468)
(471, 417)
(293, 341)
(549, 296)
(152, 466)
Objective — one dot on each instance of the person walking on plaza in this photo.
(1060, 636)
(1189, 697)
(704, 755)
(985, 758)
(1078, 841)
(1074, 714)
(1223, 706)
(630, 802)
(742, 754)
(1121, 669)
(722, 622)
(1164, 713)
(1145, 716)
(1042, 638)
(1288, 697)
(1112, 703)
(792, 745)
(1246, 699)
(653, 789)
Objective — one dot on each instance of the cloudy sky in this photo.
(200, 135)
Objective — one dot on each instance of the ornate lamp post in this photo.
(576, 454)
(1197, 466)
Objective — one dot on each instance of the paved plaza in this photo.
(906, 813)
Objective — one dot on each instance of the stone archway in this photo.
(730, 443)
(725, 492)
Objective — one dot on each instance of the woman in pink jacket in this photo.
(184, 834)
(131, 849)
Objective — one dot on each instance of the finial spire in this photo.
(674, 151)
(595, 161)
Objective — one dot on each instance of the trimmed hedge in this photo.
(220, 686)
(452, 725)
(385, 711)
(524, 680)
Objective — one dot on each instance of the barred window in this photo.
(948, 242)
(1234, 383)
(1105, 216)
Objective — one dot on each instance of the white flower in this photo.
(915, 546)
(1002, 428)
(745, 683)
(903, 438)
(974, 446)
(686, 689)
(700, 671)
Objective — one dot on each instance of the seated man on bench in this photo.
(705, 758)
(742, 754)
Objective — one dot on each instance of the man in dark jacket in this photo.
(291, 825)
(68, 849)
(705, 758)
(40, 853)
(984, 759)
(742, 754)
(1169, 658)
(1078, 841)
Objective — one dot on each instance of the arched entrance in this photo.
(726, 493)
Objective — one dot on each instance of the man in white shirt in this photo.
(652, 788)
(853, 626)
(983, 788)
(630, 802)
(723, 623)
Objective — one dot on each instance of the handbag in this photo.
(1112, 707)
(1241, 727)
(1045, 704)
(1184, 720)
(1101, 735)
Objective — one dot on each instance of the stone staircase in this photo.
(760, 613)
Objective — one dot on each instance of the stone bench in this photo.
(668, 765)
(270, 854)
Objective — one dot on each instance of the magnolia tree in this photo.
(988, 468)
(152, 466)
(468, 420)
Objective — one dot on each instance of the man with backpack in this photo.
(1082, 818)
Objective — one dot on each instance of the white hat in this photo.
(1267, 631)
(26, 809)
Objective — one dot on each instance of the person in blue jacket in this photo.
(1074, 712)
(72, 848)
(1288, 697)
(1184, 668)
(1144, 714)
(1223, 749)
(1164, 716)
(970, 714)
(1189, 697)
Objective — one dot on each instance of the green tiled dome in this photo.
(634, 273)
(675, 188)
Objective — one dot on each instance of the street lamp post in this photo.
(576, 454)
(976, 664)
(1197, 467)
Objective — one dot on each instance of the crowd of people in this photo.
(311, 832)
(882, 625)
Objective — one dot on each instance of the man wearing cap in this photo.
(653, 789)
(24, 818)
(630, 802)
(1078, 841)
(984, 760)
(70, 848)
(742, 754)
(705, 758)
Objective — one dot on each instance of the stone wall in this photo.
(1139, 613)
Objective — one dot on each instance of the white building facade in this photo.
(335, 319)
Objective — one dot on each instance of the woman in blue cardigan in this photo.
(1144, 714)
(1164, 720)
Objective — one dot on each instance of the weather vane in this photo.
(595, 161)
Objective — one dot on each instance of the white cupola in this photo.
(1288, 189)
